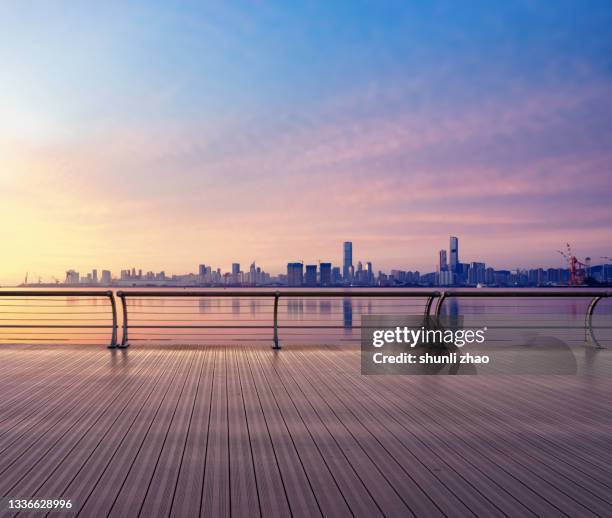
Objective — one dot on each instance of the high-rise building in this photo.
(106, 277)
(347, 261)
(476, 273)
(72, 277)
(94, 276)
(335, 275)
(310, 279)
(454, 253)
(235, 268)
(442, 264)
(325, 273)
(369, 273)
(295, 274)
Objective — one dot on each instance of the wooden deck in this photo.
(244, 431)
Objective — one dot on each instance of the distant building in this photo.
(454, 253)
(347, 261)
(369, 274)
(445, 278)
(442, 263)
(310, 279)
(106, 277)
(325, 274)
(336, 275)
(295, 274)
(476, 273)
(72, 277)
(94, 276)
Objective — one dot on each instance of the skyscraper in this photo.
(294, 274)
(106, 277)
(311, 275)
(370, 273)
(325, 270)
(454, 253)
(442, 264)
(347, 261)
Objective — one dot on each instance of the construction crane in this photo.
(576, 268)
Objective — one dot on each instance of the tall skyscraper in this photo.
(106, 277)
(369, 273)
(325, 270)
(235, 268)
(442, 264)
(295, 274)
(310, 279)
(347, 261)
(454, 253)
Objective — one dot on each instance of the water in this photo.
(302, 320)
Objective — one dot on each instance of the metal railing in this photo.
(433, 306)
(430, 297)
(595, 296)
(54, 319)
(272, 295)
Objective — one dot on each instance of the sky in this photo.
(162, 135)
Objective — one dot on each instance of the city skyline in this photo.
(447, 272)
(152, 134)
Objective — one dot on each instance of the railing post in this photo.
(276, 297)
(124, 338)
(443, 295)
(588, 323)
(429, 303)
(113, 342)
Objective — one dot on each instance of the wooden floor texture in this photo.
(245, 431)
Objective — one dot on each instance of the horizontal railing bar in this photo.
(282, 293)
(568, 292)
(55, 326)
(55, 293)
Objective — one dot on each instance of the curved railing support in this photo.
(429, 303)
(111, 297)
(443, 296)
(276, 297)
(588, 323)
(124, 337)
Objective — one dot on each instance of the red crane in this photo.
(576, 267)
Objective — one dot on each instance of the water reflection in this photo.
(347, 313)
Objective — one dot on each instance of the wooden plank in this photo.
(159, 430)
(354, 490)
(215, 489)
(243, 483)
(297, 485)
(324, 486)
(138, 478)
(101, 494)
(53, 471)
(188, 493)
(270, 486)
(547, 491)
